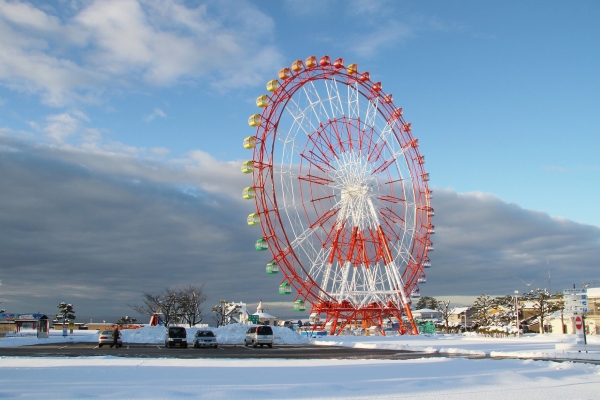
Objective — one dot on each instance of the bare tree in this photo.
(190, 300)
(443, 307)
(544, 304)
(165, 303)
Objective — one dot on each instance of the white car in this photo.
(205, 338)
(259, 335)
(106, 338)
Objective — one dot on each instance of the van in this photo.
(176, 337)
(259, 335)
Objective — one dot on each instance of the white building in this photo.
(426, 314)
(264, 317)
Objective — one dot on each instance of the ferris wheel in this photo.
(341, 195)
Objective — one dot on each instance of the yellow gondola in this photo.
(248, 193)
(250, 142)
(273, 85)
(254, 120)
(262, 101)
(253, 219)
(247, 166)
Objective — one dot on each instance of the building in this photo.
(264, 317)
(461, 316)
(14, 323)
(427, 314)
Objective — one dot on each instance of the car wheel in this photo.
(253, 344)
(245, 343)
(270, 345)
(100, 345)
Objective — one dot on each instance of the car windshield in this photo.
(205, 334)
(107, 332)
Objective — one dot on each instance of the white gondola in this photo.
(415, 294)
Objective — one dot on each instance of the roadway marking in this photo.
(63, 347)
(160, 348)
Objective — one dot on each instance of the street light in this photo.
(517, 311)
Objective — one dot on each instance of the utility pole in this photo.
(517, 312)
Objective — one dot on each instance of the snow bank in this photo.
(230, 334)
(465, 344)
(235, 333)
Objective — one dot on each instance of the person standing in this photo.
(115, 335)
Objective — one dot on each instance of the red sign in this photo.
(578, 322)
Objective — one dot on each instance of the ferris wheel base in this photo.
(338, 318)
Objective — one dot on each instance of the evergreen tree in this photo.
(65, 314)
(481, 310)
(126, 321)
(427, 302)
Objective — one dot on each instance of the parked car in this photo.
(259, 335)
(205, 338)
(106, 338)
(176, 337)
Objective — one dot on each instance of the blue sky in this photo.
(503, 98)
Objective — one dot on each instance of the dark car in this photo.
(205, 338)
(176, 337)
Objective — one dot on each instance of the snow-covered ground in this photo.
(527, 346)
(425, 378)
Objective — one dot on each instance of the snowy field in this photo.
(425, 378)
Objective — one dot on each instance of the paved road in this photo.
(224, 351)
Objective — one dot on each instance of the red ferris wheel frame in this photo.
(346, 244)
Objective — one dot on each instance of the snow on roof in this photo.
(459, 310)
(264, 315)
(426, 310)
(529, 304)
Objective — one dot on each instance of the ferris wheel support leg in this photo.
(407, 310)
(334, 323)
(381, 325)
(351, 317)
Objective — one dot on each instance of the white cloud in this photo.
(117, 43)
(60, 126)
(555, 168)
(156, 113)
